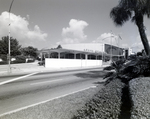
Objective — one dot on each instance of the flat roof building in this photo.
(85, 51)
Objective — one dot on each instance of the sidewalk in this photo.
(25, 68)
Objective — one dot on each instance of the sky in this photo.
(48, 23)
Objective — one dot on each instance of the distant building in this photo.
(127, 52)
(81, 55)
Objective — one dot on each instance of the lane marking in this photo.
(15, 79)
(42, 102)
(38, 83)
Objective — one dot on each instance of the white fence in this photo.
(69, 63)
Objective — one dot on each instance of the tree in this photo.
(14, 46)
(59, 47)
(29, 51)
(134, 10)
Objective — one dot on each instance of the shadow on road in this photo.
(91, 74)
(99, 82)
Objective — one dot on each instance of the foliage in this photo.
(116, 66)
(14, 46)
(3, 62)
(59, 47)
(29, 51)
(134, 10)
(20, 57)
(17, 61)
(105, 104)
(135, 67)
(3, 57)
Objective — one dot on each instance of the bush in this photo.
(139, 89)
(20, 57)
(3, 57)
(17, 61)
(105, 104)
(3, 62)
(135, 67)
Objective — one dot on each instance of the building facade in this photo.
(80, 55)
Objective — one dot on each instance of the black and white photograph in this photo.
(74, 59)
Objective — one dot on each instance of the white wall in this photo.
(69, 63)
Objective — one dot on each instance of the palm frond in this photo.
(109, 74)
(138, 66)
(108, 68)
(148, 8)
(120, 15)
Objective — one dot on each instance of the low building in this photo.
(80, 55)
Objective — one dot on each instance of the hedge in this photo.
(105, 104)
(140, 94)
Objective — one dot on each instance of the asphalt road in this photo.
(19, 92)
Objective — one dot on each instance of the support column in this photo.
(96, 57)
(74, 55)
(86, 56)
(48, 54)
(58, 55)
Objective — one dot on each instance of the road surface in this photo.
(19, 92)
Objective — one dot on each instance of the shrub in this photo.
(125, 71)
(17, 61)
(3, 57)
(20, 57)
(3, 62)
(105, 104)
(116, 66)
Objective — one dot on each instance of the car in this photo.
(41, 63)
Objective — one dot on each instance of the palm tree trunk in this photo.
(141, 28)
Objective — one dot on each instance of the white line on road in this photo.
(15, 79)
(38, 83)
(45, 101)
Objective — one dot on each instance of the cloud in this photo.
(138, 46)
(108, 38)
(125, 45)
(28, 16)
(19, 29)
(75, 32)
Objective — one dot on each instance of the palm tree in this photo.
(134, 10)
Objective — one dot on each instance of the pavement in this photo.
(25, 68)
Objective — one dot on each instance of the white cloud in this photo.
(137, 45)
(125, 46)
(108, 38)
(20, 29)
(75, 32)
(28, 16)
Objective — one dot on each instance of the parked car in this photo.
(41, 63)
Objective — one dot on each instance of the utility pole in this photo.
(111, 45)
(8, 57)
(119, 45)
